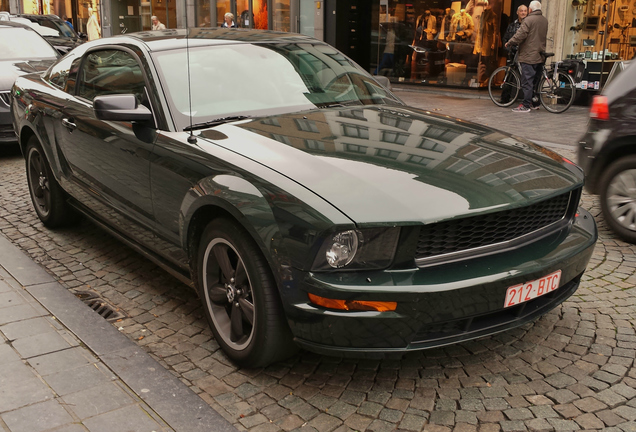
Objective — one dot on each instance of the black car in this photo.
(55, 30)
(607, 152)
(22, 51)
(303, 200)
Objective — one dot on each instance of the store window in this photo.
(446, 42)
(259, 9)
(245, 19)
(222, 7)
(598, 35)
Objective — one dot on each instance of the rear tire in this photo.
(240, 297)
(618, 197)
(558, 96)
(504, 86)
(49, 199)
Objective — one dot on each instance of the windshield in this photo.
(59, 27)
(24, 44)
(260, 79)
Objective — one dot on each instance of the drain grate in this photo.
(96, 303)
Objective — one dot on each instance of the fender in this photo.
(619, 147)
(281, 233)
(29, 119)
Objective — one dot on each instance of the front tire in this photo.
(504, 86)
(49, 200)
(618, 197)
(240, 297)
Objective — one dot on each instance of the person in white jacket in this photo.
(156, 24)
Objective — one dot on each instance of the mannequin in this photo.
(461, 26)
(429, 25)
(93, 30)
(445, 28)
(485, 35)
(475, 8)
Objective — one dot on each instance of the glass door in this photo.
(306, 17)
(281, 16)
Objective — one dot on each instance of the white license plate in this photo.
(523, 292)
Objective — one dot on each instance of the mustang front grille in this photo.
(457, 239)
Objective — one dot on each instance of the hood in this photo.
(11, 69)
(381, 164)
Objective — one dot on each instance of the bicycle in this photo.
(556, 89)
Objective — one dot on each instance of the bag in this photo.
(574, 68)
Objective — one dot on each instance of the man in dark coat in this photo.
(531, 39)
(522, 12)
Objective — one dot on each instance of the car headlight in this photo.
(342, 249)
(371, 248)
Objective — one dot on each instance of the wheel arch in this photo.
(252, 213)
(26, 133)
(616, 149)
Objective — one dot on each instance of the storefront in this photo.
(256, 14)
(441, 42)
(599, 34)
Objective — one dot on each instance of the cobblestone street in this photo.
(573, 369)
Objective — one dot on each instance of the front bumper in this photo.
(438, 305)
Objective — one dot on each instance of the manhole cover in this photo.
(96, 303)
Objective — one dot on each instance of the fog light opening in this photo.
(352, 305)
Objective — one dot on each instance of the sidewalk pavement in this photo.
(65, 368)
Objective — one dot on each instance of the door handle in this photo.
(68, 123)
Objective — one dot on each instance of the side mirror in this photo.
(121, 107)
(82, 36)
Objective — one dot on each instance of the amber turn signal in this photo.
(352, 305)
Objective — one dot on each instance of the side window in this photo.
(58, 75)
(71, 82)
(110, 72)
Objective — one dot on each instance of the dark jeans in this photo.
(530, 76)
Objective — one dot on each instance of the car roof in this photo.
(160, 40)
(33, 17)
(4, 23)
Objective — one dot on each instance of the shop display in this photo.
(448, 42)
(600, 34)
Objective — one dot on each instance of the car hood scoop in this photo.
(401, 165)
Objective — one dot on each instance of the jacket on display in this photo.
(485, 40)
(461, 26)
(445, 28)
(430, 26)
(531, 38)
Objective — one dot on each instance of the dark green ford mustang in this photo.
(306, 204)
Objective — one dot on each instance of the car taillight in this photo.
(600, 108)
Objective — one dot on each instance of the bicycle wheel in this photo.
(504, 86)
(556, 96)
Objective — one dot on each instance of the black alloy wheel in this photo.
(240, 297)
(49, 200)
(618, 197)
